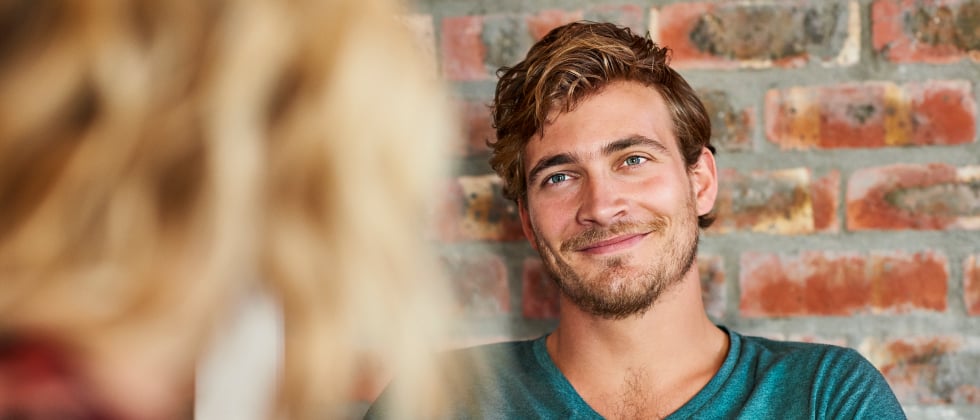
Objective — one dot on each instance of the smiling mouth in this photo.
(622, 235)
(613, 244)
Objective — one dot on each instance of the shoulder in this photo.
(774, 351)
(797, 361)
(839, 381)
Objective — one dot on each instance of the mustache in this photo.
(598, 234)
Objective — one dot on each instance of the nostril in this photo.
(601, 205)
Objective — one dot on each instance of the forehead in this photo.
(620, 110)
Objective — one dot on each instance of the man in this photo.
(606, 151)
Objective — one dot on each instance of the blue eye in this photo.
(634, 160)
(556, 178)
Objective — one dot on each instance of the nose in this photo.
(601, 202)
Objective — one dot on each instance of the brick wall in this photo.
(849, 210)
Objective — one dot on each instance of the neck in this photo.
(669, 351)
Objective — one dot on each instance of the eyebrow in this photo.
(548, 162)
(634, 140)
(612, 147)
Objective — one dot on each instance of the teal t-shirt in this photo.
(759, 379)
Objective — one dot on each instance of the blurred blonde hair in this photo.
(158, 157)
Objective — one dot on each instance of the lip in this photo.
(615, 244)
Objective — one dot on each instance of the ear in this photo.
(704, 182)
(526, 223)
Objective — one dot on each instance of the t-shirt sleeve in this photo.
(853, 388)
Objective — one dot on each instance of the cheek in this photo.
(663, 191)
(551, 229)
(548, 226)
(554, 209)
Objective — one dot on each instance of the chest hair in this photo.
(636, 399)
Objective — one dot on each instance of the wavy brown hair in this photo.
(161, 158)
(568, 65)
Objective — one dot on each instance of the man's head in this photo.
(570, 64)
(606, 150)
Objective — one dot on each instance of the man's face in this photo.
(611, 206)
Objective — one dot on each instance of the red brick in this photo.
(942, 112)
(871, 114)
(731, 127)
(784, 202)
(825, 194)
(540, 292)
(670, 25)
(713, 294)
(479, 283)
(463, 52)
(836, 283)
(926, 31)
(971, 284)
(477, 128)
(474, 208)
(772, 285)
(732, 35)
(541, 23)
(928, 370)
(903, 282)
(903, 196)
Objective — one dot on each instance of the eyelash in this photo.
(640, 159)
(550, 179)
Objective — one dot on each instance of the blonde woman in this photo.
(160, 159)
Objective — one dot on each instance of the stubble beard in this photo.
(618, 291)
